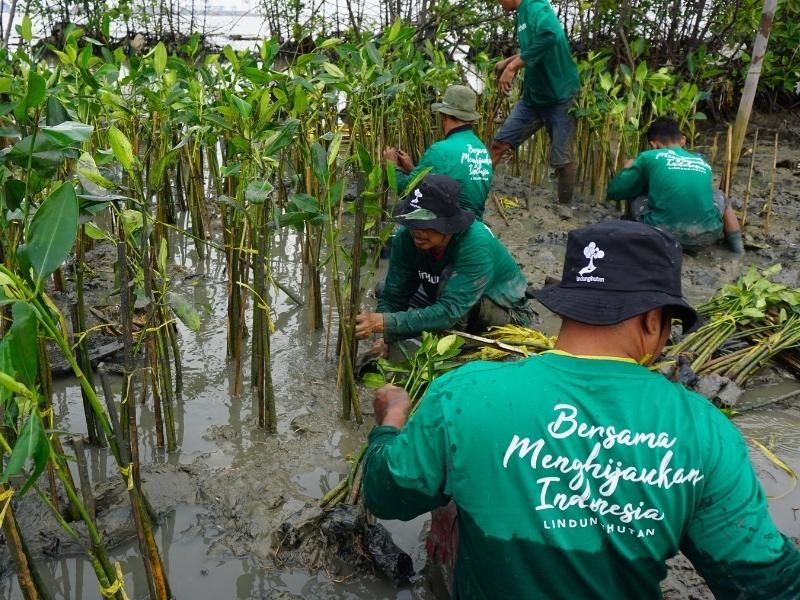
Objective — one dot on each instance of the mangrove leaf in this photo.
(21, 340)
(123, 151)
(32, 443)
(68, 133)
(52, 231)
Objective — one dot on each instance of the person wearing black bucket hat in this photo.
(460, 154)
(468, 278)
(578, 472)
(616, 270)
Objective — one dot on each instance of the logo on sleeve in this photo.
(592, 252)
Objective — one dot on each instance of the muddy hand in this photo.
(390, 154)
(404, 162)
(391, 406)
(367, 324)
(506, 81)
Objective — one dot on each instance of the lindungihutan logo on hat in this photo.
(632, 268)
(592, 252)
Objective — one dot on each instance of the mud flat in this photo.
(238, 506)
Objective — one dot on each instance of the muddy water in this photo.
(230, 485)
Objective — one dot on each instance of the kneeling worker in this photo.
(460, 154)
(468, 279)
(579, 471)
(673, 189)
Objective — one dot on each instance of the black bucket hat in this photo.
(433, 204)
(616, 270)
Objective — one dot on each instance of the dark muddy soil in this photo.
(238, 506)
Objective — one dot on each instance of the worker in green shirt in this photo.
(579, 471)
(460, 154)
(446, 270)
(672, 188)
(551, 82)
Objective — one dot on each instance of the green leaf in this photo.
(121, 147)
(374, 380)
(333, 149)
(90, 177)
(391, 176)
(184, 310)
(333, 70)
(52, 231)
(243, 107)
(394, 31)
(36, 90)
(305, 203)
(258, 192)
(319, 162)
(132, 220)
(160, 58)
(15, 193)
(32, 443)
(364, 158)
(94, 232)
(281, 138)
(753, 313)
(22, 343)
(56, 113)
(446, 344)
(26, 29)
(69, 133)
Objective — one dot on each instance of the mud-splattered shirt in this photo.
(551, 76)
(578, 477)
(462, 156)
(680, 190)
(478, 265)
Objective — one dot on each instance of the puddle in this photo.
(248, 480)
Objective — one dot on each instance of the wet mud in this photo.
(238, 507)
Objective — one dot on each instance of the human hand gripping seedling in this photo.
(392, 405)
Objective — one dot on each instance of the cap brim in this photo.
(461, 115)
(447, 225)
(608, 307)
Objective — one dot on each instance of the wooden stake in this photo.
(771, 186)
(746, 200)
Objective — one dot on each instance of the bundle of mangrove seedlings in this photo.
(414, 373)
(750, 323)
(507, 341)
(434, 357)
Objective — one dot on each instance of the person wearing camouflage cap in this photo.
(469, 279)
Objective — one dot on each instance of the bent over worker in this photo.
(669, 187)
(446, 270)
(460, 154)
(579, 471)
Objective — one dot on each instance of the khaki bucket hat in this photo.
(459, 101)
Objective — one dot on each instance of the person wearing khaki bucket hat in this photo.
(579, 471)
(460, 154)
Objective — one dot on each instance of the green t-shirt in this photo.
(479, 266)
(578, 477)
(462, 156)
(551, 76)
(680, 190)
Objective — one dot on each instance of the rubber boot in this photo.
(566, 182)
(735, 242)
